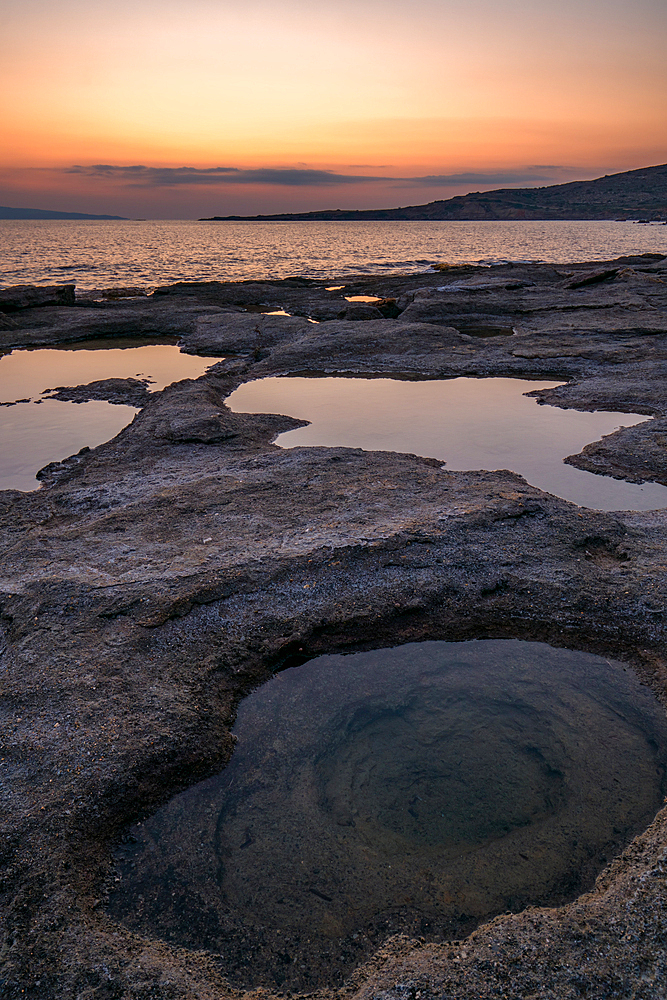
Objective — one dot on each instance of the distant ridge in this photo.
(631, 195)
(41, 213)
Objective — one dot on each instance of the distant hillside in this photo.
(41, 213)
(631, 195)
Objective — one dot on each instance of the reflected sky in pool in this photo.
(468, 423)
(47, 430)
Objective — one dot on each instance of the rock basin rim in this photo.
(422, 790)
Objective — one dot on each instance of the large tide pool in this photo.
(467, 423)
(36, 430)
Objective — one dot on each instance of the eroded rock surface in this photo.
(119, 391)
(155, 580)
(32, 296)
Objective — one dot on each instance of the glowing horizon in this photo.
(321, 106)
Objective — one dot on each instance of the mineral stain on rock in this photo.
(420, 790)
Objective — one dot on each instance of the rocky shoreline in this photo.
(155, 580)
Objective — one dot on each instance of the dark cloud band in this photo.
(530, 176)
(143, 176)
(167, 176)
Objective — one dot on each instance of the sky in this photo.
(218, 107)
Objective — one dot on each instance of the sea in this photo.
(36, 429)
(144, 254)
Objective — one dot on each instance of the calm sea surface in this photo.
(145, 254)
(102, 254)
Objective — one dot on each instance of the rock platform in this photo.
(152, 582)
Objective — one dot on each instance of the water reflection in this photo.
(485, 423)
(44, 430)
(102, 254)
(418, 789)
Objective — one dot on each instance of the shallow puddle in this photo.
(40, 431)
(468, 423)
(419, 789)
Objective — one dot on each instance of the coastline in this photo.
(131, 634)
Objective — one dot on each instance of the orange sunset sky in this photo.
(175, 110)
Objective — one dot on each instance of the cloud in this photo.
(141, 176)
(526, 176)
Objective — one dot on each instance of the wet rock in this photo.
(388, 308)
(207, 428)
(637, 454)
(223, 289)
(7, 323)
(120, 391)
(125, 318)
(441, 311)
(31, 296)
(359, 345)
(457, 269)
(242, 333)
(126, 292)
(492, 284)
(360, 311)
(641, 391)
(593, 278)
(194, 412)
(54, 471)
(321, 312)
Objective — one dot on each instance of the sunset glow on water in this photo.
(146, 254)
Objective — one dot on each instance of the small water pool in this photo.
(40, 431)
(468, 423)
(420, 789)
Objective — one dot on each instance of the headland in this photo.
(634, 194)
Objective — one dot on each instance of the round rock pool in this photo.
(420, 789)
